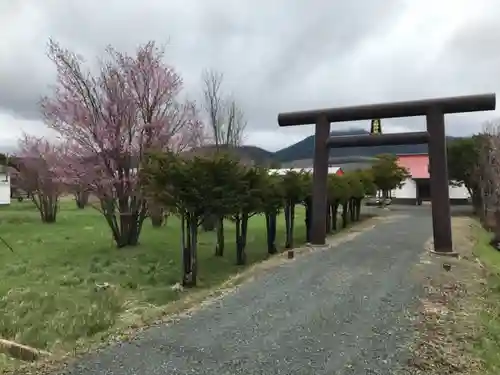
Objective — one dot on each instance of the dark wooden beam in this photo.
(320, 182)
(457, 104)
(439, 183)
(368, 140)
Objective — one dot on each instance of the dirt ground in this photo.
(449, 316)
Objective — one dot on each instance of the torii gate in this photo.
(433, 109)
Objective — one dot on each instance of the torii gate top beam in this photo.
(457, 104)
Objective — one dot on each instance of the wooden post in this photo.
(439, 184)
(320, 179)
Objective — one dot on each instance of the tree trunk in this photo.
(358, 209)
(483, 214)
(157, 215)
(271, 219)
(219, 247)
(209, 223)
(335, 209)
(382, 199)
(328, 218)
(244, 231)
(47, 205)
(352, 209)
(476, 202)
(131, 228)
(186, 251)
(289, 223)
(496, 224)
(286, 212)
(308, 217)
(189, 233)
(345, 215)
(194, 251)
(126, 222)
(241, 238)
(82, 199)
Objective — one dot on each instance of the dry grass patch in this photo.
(450, 321)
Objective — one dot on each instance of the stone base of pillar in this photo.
(452, 254)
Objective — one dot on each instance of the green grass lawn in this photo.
(489, 257)
(488, 345)
(48, 296)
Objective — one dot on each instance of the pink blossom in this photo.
(39, 161)
(109, 120)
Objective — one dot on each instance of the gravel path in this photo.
(339, 311)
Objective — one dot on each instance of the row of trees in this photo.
(194, 188)
(220, 186)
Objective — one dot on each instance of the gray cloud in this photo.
(276, 55)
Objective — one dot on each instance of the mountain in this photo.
(302, 152)
(251, 154)
(257, 154)
(305, 149)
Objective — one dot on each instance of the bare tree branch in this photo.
(489, 172)
(226, 120)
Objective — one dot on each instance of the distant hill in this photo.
(302, 151)
(256, 155)
(305, 149)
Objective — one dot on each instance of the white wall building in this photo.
(419, 183)
(412, 188)
(4, 186)
(283, 171)
(409, 191)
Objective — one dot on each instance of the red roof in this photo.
(417, 165)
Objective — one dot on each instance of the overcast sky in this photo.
(277, 55)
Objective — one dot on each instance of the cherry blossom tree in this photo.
(37, 172)
(112, 119)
